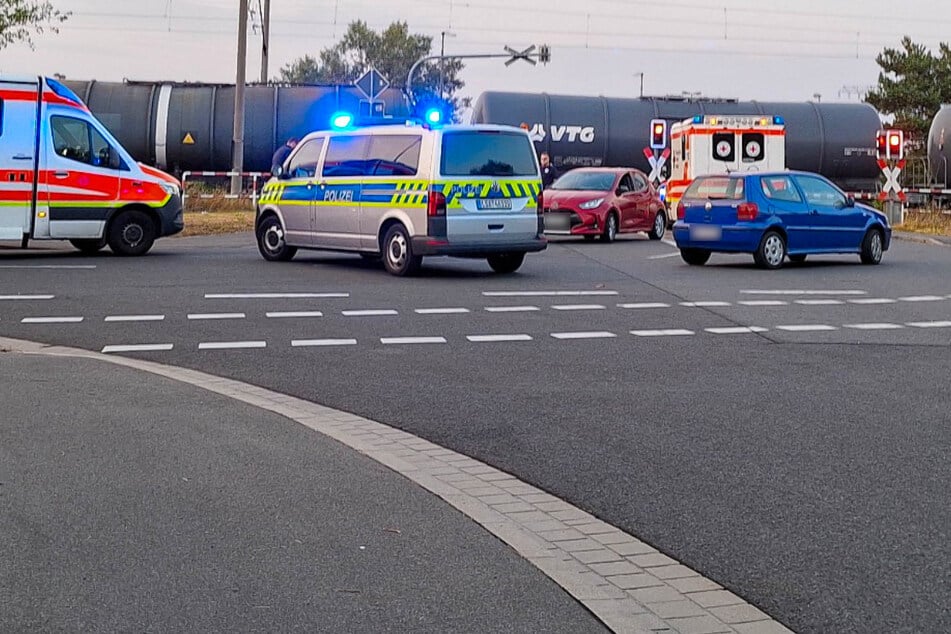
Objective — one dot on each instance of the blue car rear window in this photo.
(716, 188)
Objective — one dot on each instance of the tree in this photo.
(19, 19)
(392, 51)
(912, 86)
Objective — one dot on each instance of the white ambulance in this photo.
(723, 144)
(64, 177)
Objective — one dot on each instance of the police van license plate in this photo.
(705, 232)
(493, 203)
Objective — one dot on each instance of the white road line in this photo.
(312, 343)
(819, 302)
(497, 338)
(583, 335)
(922, 298)
(874, 326)
(294, 314)
(207, 316)
(670, 243)
(764, 302)
(668, 332)
(51, 320)
(644, 305)
(929, 324)
(807, 328)
(873, 300)
(148, 347)
(48, 266)
(277, 295)
(411, 340)
(736, 330)
(704, 304)
(25, 297)
(548, 293)
(441, 311)
(666, 255)
(369, 313)
(579, 307)
(803, 292)
(231, 345)
(114, 318)
(511, 309)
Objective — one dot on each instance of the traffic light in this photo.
(658, 134)
(896, 144)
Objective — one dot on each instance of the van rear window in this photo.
(487, 153)
(716, 188)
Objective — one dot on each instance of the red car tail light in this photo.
(437, 204)
(747, 211)
(681, 211)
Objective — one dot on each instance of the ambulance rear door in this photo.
(19, 113)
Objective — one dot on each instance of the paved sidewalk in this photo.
(131, 502)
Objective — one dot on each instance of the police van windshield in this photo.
(585, 181)
(487, 153)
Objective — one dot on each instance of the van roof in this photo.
(413, 128)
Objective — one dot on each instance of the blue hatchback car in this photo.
(775, 215)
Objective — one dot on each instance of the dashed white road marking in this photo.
(807, 328)
(579, 307)
(147, 347)
(13, 298)
(294, 314)
(497, 338)
(231, 345)
(584, 335)
(314, 343)
(210, 316)
(664, 256)
(411, 340)
(511, 309)
(122, 318)
(884, 326)
(704, 304)
(441, 311)
(51, 320)
(922, 298)
(370, 313)
(548, 293)
(873, 301)
(802, 292)
(764, 302)
(49, 266)
(644, 305)
(667, 332)
(277, 295)
(929, 324)
(819, 302)
(736, 330)
(670, 243)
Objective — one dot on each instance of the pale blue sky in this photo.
(749, 49)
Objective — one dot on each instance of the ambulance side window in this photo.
(77, 140)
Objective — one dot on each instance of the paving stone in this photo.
(570, 514)
(595, 528)
(530, 516)
(743, 613)
(633, 582)
(596, 556)
(498, 498)
(762, 627)
(535, 498)
(557, 505)
(497, 477)
(699, 625)
(614, 537)
(652, 561)
(615, 609)
(631, 549)
(693, 584)
(544, 525)
(676, 571)
(676, 609)
(562, 535)
(616, 568)
(480, 470)
(715, 598)
(655, 594)
(577, 545)
(513, 507)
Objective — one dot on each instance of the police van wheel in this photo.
(89, 247)
(131, 233)
(506, 262)
(271, 243)
(398, 255)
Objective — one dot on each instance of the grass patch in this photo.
(217, 222)
(933, 223)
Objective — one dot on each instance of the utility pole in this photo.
(266, 33)
(642, 82)
(237, 141)
(442, 61)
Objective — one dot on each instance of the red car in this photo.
(603, 202)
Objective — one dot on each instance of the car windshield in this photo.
(585, 181)
(716, 188)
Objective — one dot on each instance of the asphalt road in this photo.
(133, 503)
(784, 433)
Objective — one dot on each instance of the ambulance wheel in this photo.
(270, 237)
(506, 262)
(131, 233)
(88, 247)
(398, 255)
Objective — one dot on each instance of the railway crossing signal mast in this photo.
(890, 152)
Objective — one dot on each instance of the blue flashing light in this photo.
(779, 121)
(698, 118)
(433, 116)
(341, 120)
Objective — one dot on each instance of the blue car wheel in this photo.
(771, 250)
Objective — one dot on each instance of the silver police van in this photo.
(404, 192)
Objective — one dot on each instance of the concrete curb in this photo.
(921, 238)
(627, 584)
